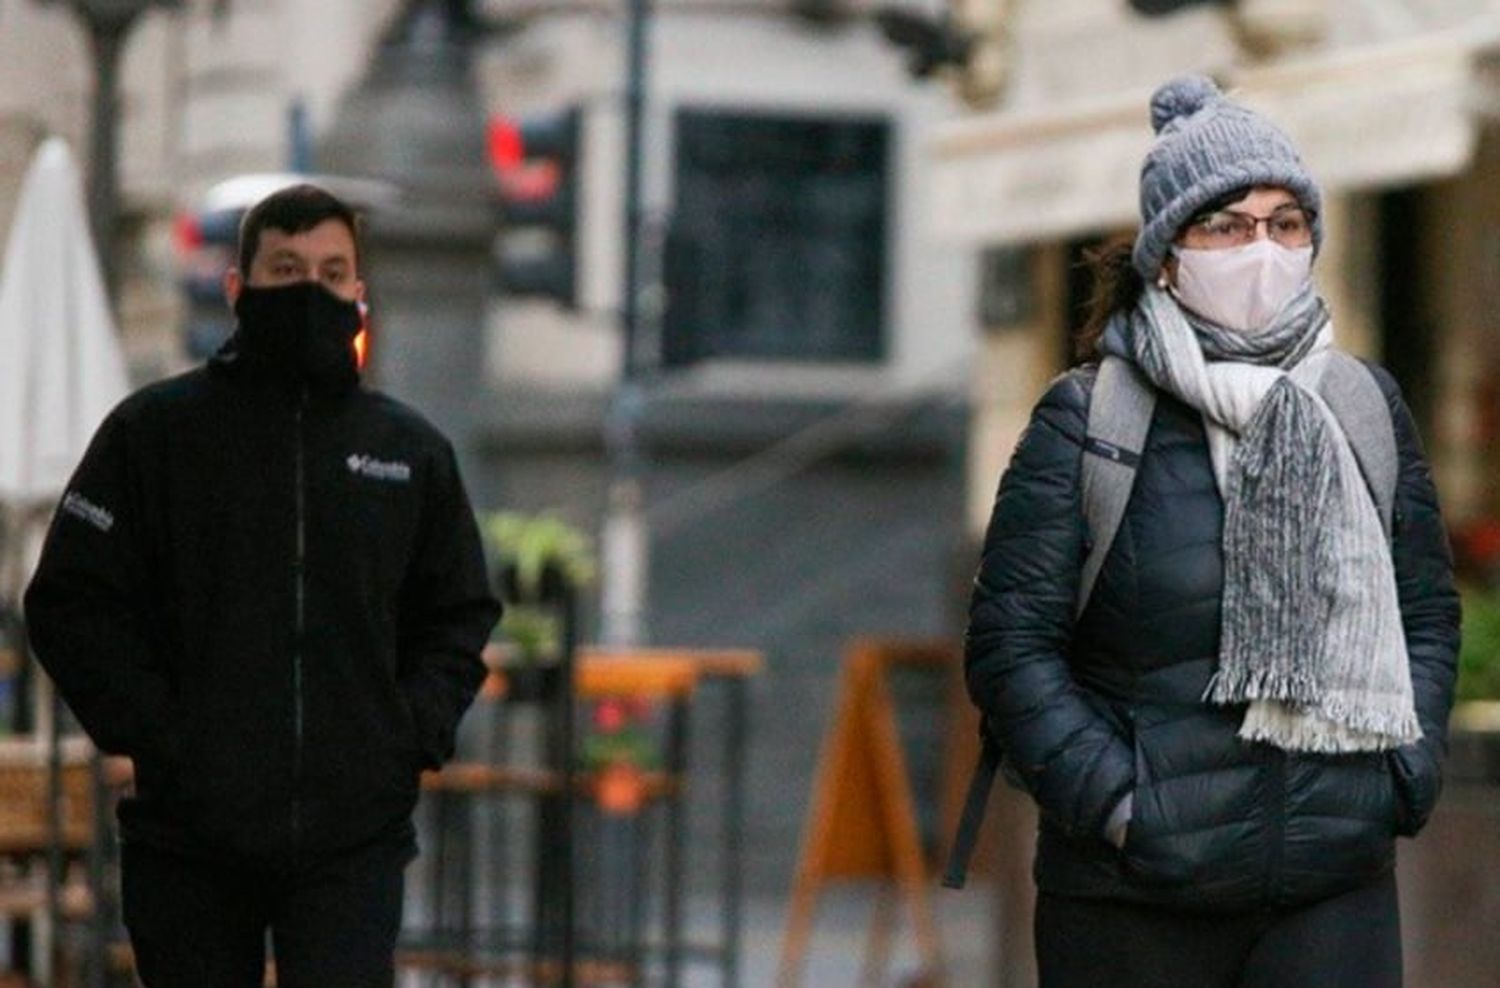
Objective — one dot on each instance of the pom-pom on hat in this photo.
(1207, 146)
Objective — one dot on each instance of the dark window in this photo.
(777, 246)
(1007, 296)
(1408, 327)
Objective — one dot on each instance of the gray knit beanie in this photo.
(1207, 146)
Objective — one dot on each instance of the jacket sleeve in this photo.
(1430, 616)
(1064, 750)
(87, 607)
(447, 612)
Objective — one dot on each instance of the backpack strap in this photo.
(980, 784)
(1119, 417)
(1356, 400)
(1120, 410)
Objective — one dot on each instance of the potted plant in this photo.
(1477, 556)
(1474, 735)
(618, 752)
(536, 563)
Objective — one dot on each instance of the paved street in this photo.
(834, 959)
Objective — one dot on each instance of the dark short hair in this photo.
(293, 210)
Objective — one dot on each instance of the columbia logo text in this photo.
(367, 466)
(83, 509)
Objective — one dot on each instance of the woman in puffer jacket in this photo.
(1251, 705)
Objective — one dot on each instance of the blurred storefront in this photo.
(802, 410)
(1394, 108)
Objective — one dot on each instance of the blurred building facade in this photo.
(853, 284)
(210, 91)
(1392, 104)
(806, 338)
(805, 343)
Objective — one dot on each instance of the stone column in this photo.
(415, 121)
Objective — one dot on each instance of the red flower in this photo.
(1481, 542)
(610, 716)
(620, 789)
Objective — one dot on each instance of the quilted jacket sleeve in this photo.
(1429, 615)
(1064, 750)
(87, 607)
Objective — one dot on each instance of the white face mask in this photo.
(1241, 288)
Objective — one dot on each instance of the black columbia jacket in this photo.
(272, 597)
(1111, 703)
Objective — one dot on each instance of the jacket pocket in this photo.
(1156, 852)
(1399, 814)
(1415, 786)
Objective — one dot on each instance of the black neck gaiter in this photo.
(300, 333)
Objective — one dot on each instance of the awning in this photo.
(1369, 117)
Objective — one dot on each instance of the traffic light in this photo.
(205, 242)
(536, 163)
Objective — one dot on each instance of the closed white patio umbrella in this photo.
(61, 372)
(60, 365)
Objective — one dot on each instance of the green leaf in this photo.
(1479, 656)
(532, 543)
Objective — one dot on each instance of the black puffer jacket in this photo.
(1090, 710)
(273, 599)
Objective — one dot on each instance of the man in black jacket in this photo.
(264, 584)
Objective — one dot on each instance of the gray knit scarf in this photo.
(1311, 626)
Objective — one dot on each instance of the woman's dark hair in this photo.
(293, 210)
(1117, 287)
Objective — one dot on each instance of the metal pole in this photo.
(635, 113)
(568, 606)
(626, 542)
(56, 872)
(734, 824)
(107, 30)
(103, 918)
(107, 33)
(676, 811)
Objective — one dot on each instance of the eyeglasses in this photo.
(1289, 226)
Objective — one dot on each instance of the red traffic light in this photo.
(521, 178)
(187, 234)
(507, 146)
(535, 161)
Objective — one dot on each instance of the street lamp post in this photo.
(626, 541)
(109, 23)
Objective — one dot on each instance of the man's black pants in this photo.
(1349, 941)
(195, 923)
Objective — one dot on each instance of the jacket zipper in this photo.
(300, 581)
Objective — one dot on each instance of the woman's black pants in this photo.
(1352, 940)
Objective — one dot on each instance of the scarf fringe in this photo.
(1311, 633)
(1322, 732)
(1241, 682)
